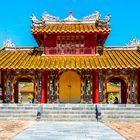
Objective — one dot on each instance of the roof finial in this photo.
(70, 17)
(70, 12)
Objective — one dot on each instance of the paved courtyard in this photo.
(68, 131)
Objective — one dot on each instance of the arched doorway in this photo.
(69, 87)
(23, 90)
(116, 88)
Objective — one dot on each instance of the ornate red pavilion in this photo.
(70, 64)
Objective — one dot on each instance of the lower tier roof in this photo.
(113, 59)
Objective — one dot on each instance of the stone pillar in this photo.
(43, 87)
(95, 93)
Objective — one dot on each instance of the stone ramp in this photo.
(69, 131)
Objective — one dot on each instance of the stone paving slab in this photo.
(69, 131)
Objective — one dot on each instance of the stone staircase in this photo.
(48, 112)
(120, 112)
(68, 112)
(17, 112)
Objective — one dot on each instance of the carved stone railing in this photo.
(69, 51)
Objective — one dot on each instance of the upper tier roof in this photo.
(70, 28)
(51, 24)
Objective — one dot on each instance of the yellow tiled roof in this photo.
(113, 88)
(113, 59)
(27, 88)
(70, 28)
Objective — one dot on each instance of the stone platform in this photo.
(69, 131)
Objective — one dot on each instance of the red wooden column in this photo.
(43, 87)
(123, 92)
(95, 96)
(3, 84)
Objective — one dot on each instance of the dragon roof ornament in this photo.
(94, 16)
(46, 17)
(9, 44)
(134, 43)
(49, 19)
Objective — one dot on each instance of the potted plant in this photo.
(30, 98)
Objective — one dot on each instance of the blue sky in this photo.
(15, 17)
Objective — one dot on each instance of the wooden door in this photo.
(69, 87)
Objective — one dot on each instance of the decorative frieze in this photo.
(30, 72)
(124, 71)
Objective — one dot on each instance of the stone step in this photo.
(120, 112)
(67, 115)
(123, 116)
(12, 111)
(119, 105)
(48, 108)
(19, 118)
(68, 108)
(68, 119)
(68, 112)
(120, 109)
(19, 114)
(121, 120)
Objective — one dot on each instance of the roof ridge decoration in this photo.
(134, 43)
(49, 19)
(9, 44)
(94, 16)
(70, 17)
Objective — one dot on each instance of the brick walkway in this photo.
(69, 131)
